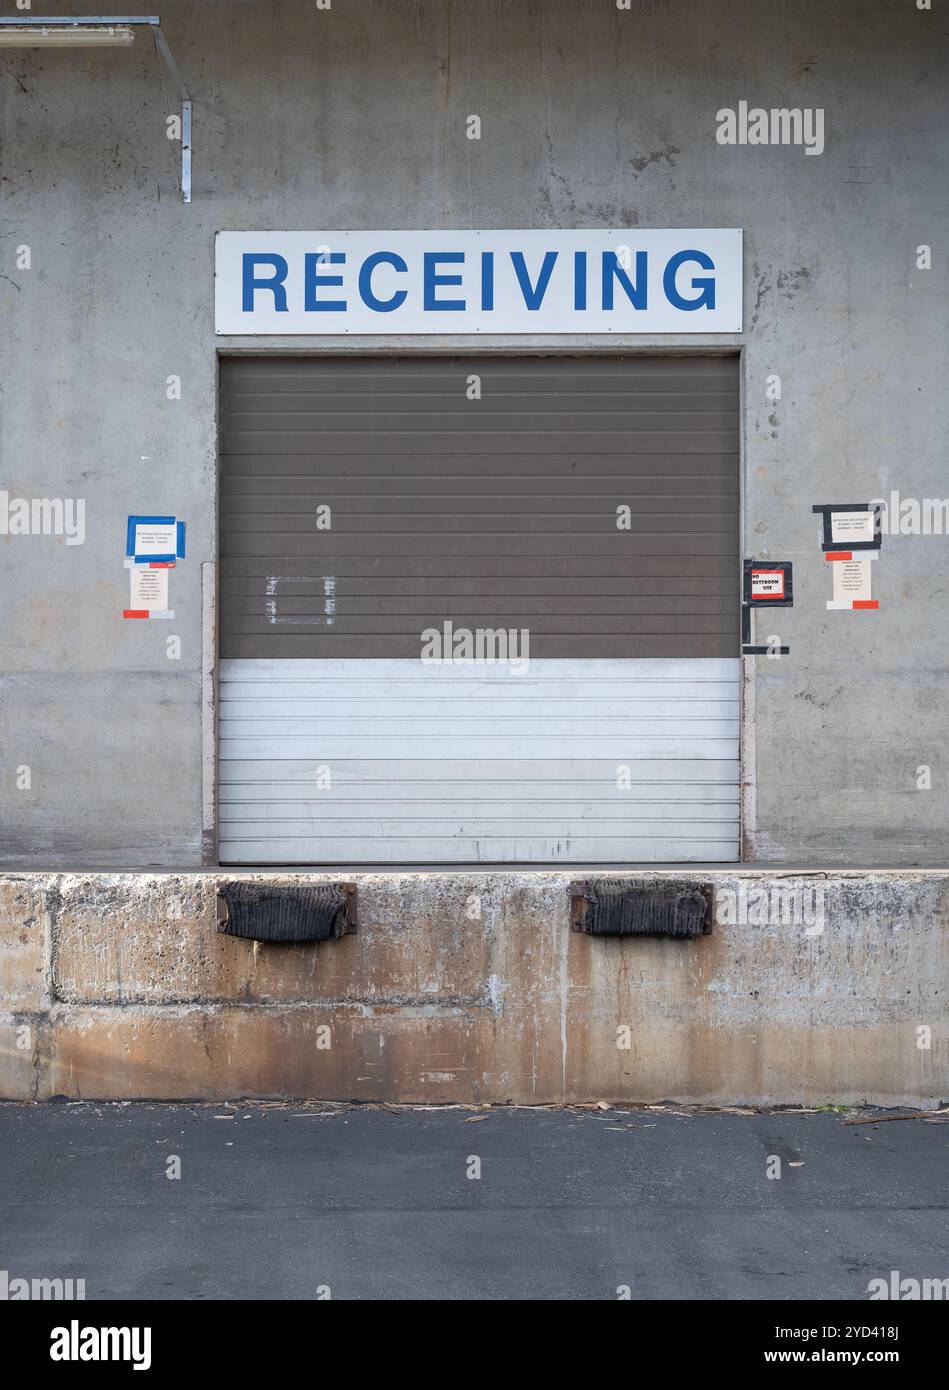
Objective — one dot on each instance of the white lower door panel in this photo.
(339, 761)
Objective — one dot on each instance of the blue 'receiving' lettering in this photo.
(381, 306)
(533, 294)
(612, 270)
(487, 280)
(265, 273)
(275, 284)
(579, 279)
(432, 280)
(706, 300)
(312, 281)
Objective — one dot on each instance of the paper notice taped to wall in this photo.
(851, 527)
(155, 538)
(852, 580)
(149, 588)
(767, 583)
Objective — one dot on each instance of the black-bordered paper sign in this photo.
(850, 525)
(768, 582)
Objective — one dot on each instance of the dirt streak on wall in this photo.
(467, 986)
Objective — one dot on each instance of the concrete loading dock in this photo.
(122, 786)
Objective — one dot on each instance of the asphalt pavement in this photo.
(303, 1202)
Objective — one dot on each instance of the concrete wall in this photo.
(120, 986)
(355, 117)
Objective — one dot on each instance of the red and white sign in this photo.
(767, 583)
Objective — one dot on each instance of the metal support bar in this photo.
(64, 21)
(151, 21)
(186, 151)
(161, 43)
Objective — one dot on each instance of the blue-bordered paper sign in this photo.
(154, 540)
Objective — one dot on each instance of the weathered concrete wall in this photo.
(356, 117)
(120, 986)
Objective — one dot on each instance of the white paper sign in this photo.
(155, 539)
(767, 583)
(851, 526)
(682, 280)
(149, 588)
(852, 579)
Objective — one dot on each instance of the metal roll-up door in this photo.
(589, 502)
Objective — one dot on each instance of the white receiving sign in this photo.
(626, 281)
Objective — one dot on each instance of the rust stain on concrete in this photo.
(119, 986)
